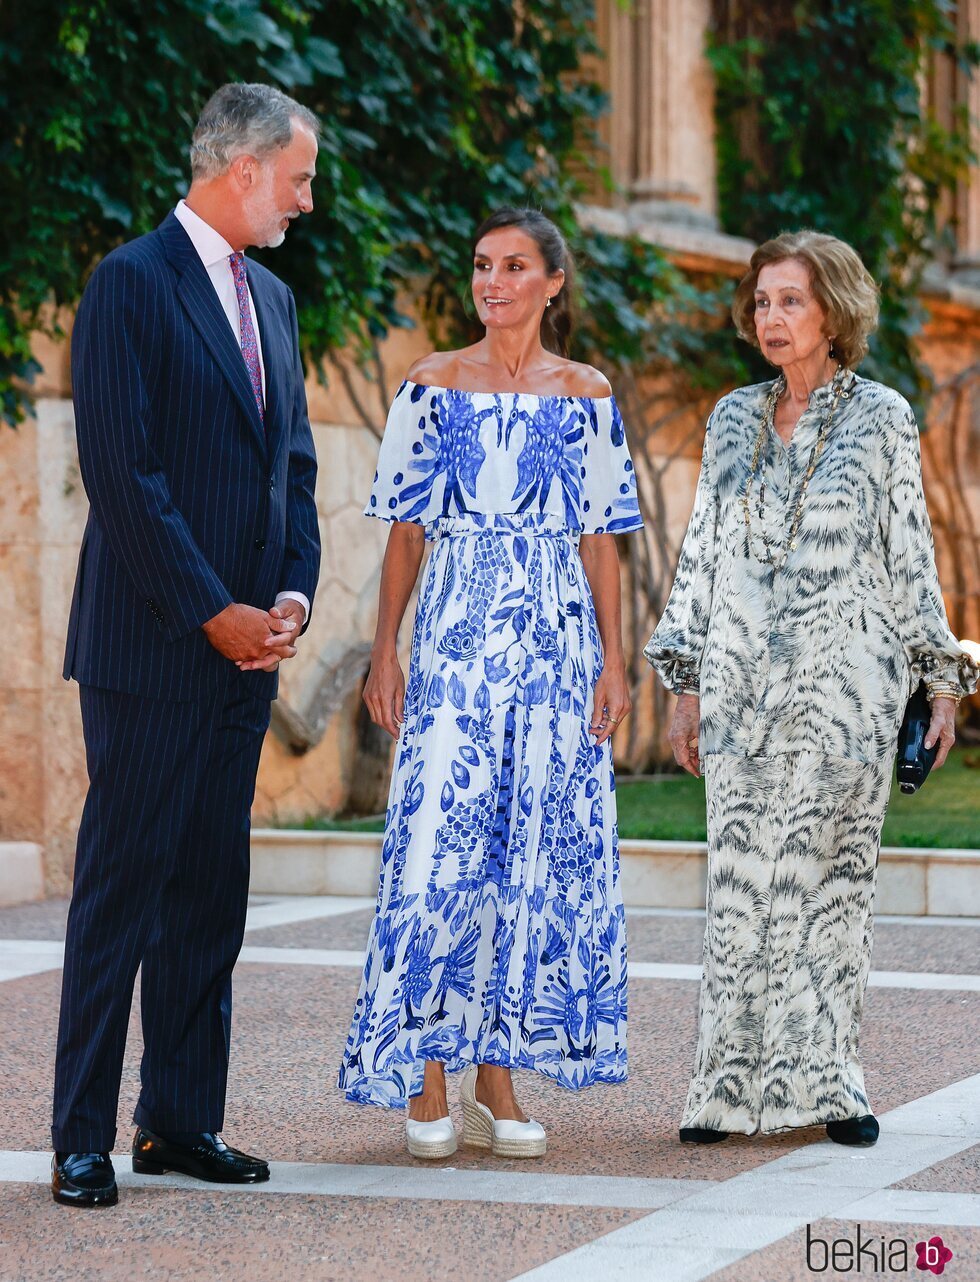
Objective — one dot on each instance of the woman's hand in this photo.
(942, 728)
(684, 733)
(384, 691)
(610, 703)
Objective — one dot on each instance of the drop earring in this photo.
(548, 303)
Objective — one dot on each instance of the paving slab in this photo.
(787, 1260)
(168, 1235)
(959, 1174)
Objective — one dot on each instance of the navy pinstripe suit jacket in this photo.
(193, 503)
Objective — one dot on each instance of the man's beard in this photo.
(265, 217)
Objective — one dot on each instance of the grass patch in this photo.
(945, 812)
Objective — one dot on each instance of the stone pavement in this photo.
(616, 1198)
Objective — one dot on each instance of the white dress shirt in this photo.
(215, 252)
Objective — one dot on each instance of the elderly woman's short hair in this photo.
(841, 284)
(242, 119)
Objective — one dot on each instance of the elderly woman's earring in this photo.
(830, 350)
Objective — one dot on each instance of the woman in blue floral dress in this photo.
(499, 938)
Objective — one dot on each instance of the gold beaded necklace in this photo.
(755, 467)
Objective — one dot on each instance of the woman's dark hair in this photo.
(557, 321)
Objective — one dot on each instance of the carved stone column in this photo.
(673, 154)
(967, 260)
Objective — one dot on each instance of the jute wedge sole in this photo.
(441, 1144)
(480, 1130)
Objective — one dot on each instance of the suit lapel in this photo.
(274, 360)
(195, 291)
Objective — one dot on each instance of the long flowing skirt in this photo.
(499, 936)
(792, 857)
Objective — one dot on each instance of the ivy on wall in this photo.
(820, 124)
(433, 113)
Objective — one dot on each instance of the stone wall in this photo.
(320, 751)
(313, 756)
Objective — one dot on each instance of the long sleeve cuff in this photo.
(679, 673)
(954, 675)
(296, 596)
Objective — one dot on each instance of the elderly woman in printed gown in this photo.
(499, 940)
(805, 608)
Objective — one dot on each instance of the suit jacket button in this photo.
(259, 545)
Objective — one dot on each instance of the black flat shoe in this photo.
(701, 1135)
(858, 1132)
(83, 1179)
(208, 1158)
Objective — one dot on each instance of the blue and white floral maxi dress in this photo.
(499, 936)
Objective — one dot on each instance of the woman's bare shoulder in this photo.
(438, 369)
(584, 380)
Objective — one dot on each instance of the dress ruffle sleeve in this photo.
(407, 461)
(933, 651)
(676, 647)
(609, 501)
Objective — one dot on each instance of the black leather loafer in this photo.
(83, 1179)
(701, 1135)
(208, 1158)
(858, 1132)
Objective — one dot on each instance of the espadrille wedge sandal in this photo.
(431, 1139)
(504, 1138)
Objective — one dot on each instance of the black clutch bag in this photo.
(914, 758)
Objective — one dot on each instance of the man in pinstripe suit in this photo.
(195, 579)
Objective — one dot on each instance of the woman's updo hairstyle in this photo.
(558, 319)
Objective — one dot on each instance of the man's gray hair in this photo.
(240, 119)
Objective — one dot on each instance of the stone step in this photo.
(912, 881)
(21, 873)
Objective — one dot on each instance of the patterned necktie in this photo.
(250, 348)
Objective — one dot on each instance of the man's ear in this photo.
(243, 169)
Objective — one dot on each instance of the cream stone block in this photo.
(21, 873)
(18, 467)
(314, 863)
(354, 547)
(362, 449)
(57, 566)
(954, 883)
(53, 354)
(663, 874)
(20, 610)
(335, 487)
(901, 887)
(21, 778)
(63, 505)
(65, 781)
(291, 787)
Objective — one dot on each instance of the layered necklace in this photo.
(777, 558)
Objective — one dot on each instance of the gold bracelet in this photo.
(944, 692)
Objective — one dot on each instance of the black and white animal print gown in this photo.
(803, 674)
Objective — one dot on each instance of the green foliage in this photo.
(820, 125)
(671, 808)
(432, 115)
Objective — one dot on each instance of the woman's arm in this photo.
(677, 645)
(384, 690)
(611, 702)
(948, 670)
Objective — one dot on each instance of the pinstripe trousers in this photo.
(161, 882)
